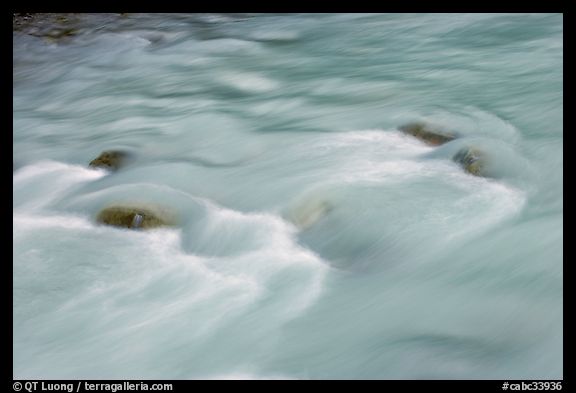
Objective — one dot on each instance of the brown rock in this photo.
(135, 217)
(111, 160)
(427, 133)
(472, 160)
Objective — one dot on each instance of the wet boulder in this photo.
(111, 160)
(135, 217)
(472, 160)
(428, 133)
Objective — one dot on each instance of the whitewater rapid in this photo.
(314, 239)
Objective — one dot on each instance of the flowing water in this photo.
(314, 239)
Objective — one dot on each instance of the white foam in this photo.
(226, 286)
(277, 252)
(118, 42)
(281, 35)
(249, 82)
(216, 18)
(22, 221)
(226, 45)
(37, 185)
(187, 282)
(367, 171)
(370, 141)
(498, 202)
(395, 138)
(47, 167)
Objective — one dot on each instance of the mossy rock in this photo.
(428, 133)
(472, 160)
(111, 160)
(135, 217)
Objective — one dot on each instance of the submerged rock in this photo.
(111, 160)
(308, 213)
(427, 133)
(59, 33)
(135, 217)
(472, 160)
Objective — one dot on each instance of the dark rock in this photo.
(21, 19)
(472, 160)
(111, 160)
(52, 27)
(135, 217)
(22, 15)
(427, 133)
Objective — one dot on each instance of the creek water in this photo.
(314, 239)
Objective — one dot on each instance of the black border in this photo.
(292, 7)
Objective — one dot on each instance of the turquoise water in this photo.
(315, 240)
